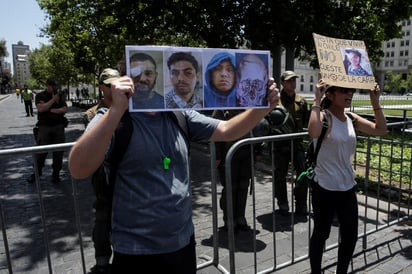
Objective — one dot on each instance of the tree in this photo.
(3, 48)
(51, 61)
(409, 81)
(40, 65)
(290, 25)
(394, 82)
(96, 31)
(4, 79)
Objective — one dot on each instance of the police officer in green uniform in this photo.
(297, 109)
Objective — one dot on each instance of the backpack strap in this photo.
(350, 115)
(320, 139)
(179, 118)
(122, 137)
(323, 133)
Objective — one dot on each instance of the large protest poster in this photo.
(176, 78)
(343, 62)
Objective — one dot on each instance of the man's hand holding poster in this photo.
(344, 62)
(172, 78)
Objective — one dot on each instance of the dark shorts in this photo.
(182, 261)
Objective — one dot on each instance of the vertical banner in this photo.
(344, 63)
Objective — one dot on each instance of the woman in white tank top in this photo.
(334, 193)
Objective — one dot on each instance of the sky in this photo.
(21, 20)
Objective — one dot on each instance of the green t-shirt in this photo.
(27, 95)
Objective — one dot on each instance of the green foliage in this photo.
(390, 162)
(291, 23)
(408, 82)
(96, 31)
(34, 84)
(40, 65)
(394, 82)
(3, 48)
(51, 61)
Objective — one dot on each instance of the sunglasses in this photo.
(342, 90)
(346, 90)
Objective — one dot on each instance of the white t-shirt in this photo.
(334, 170)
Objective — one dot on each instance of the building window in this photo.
(407, 34)
(407, 42)
(406, 53)
(386, 63)
(405, 63)
(302, 79)
(388, 45)
(301, 87)
(311, 88)
(311, 78)
(393, 44)
(391, 63)
(402, 42)
(392, 54)
(401, 53)
(387, 54)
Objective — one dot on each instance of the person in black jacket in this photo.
(51, 108)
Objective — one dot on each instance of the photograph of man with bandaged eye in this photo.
(148, 83)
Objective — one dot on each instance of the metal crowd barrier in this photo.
(379, 205)
(35, 150)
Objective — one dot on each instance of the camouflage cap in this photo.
(108, 75)
(287, 75)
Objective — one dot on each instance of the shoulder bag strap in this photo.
(322, 135)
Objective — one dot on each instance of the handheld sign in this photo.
(344, 63)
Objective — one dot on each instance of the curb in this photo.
(2, 97)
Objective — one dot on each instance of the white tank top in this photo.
(334, 170)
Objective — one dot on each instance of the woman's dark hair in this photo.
(325, 103)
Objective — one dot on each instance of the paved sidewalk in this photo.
(388, 251)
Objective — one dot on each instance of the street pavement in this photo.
(386, 251)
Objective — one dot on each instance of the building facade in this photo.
(397, 54)
(21, 70)
(308, 76)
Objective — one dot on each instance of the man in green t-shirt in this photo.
(27, 98)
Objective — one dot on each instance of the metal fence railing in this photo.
(379, 208)
(54, 235)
